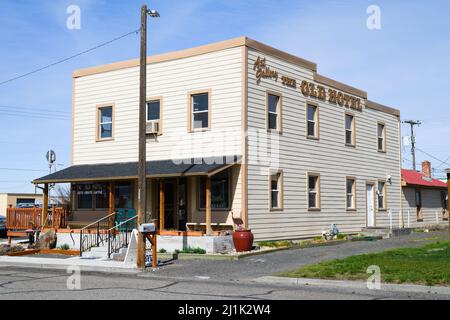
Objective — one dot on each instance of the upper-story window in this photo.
(350, 130)
(273, 112)
(200, 113)
(381, 137)
(154, 111)
(312, 130)
(105, 123)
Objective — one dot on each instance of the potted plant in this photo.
(242, 238)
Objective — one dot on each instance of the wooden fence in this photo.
(30, 218)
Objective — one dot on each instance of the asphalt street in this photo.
(210, 280)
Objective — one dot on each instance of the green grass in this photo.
(428, 265)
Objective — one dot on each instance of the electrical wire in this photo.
(20, 169)
(69, 58)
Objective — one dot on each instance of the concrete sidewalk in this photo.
(304, 282)
(90, 265)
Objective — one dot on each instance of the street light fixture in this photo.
(153, 13)
(142, 176)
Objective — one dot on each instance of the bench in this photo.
(193, 226)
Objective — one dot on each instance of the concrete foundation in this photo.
(210, 244)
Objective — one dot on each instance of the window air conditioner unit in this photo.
(152, 127)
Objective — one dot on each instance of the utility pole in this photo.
(142, 177)
(413, 123)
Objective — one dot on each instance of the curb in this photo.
(219, 257)
(301, 282)
(65, 266)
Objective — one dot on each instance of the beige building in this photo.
(16, 199)
(235, 129)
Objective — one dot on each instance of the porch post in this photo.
(112, 202)
(161, 205)
(208, 207)
(44, 216)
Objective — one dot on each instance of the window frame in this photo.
(279, 128)
(353, 129)
(354, 206)
(190, 124)
(153, 99)
(384, 196)
(280, 185)
(98, 108)
(318, 196)
(316, 121)
(230, 200)
(384, 149)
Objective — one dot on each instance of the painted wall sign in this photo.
(308, 89)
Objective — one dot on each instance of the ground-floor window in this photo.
(220, 191)
(351, 193)
(381, 195)
(276, 191)
(313, 192)
(95, 196)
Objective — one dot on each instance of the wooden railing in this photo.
(30, 218)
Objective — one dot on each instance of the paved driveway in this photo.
(268, 264)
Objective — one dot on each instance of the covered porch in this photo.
(188, 198)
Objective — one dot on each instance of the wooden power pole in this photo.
(142, 138)
(413, 123)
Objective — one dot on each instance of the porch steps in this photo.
(386, 232)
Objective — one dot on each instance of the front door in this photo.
(175, 203)
(369, 206)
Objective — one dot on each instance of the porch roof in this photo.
(129, 170)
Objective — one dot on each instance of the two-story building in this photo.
(236, 129)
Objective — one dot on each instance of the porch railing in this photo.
(95, 233)
(20, 219)
(119, 236)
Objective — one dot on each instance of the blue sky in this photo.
(404, 65)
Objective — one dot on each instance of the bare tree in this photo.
(62, 194)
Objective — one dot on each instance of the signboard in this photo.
(308, 89)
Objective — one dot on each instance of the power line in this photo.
(14, 108)
(33, 116)
(441, 162)
(20, 169)
(69, 58)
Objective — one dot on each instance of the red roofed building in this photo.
(424, 198)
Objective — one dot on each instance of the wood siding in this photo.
(328, 156)
(220, 72)
(431, 207)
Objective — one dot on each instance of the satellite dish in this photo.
(51, 156)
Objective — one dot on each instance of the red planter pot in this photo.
(243, 240)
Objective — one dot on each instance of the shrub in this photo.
(162, 251)
(275, 244)
(65, 246)
(191, 251)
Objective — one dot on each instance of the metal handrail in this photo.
(98, 221)
(93, 240)
(122, 223)
(118, 241)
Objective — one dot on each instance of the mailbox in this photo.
(147, 228)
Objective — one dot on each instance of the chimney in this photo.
(426, 168)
